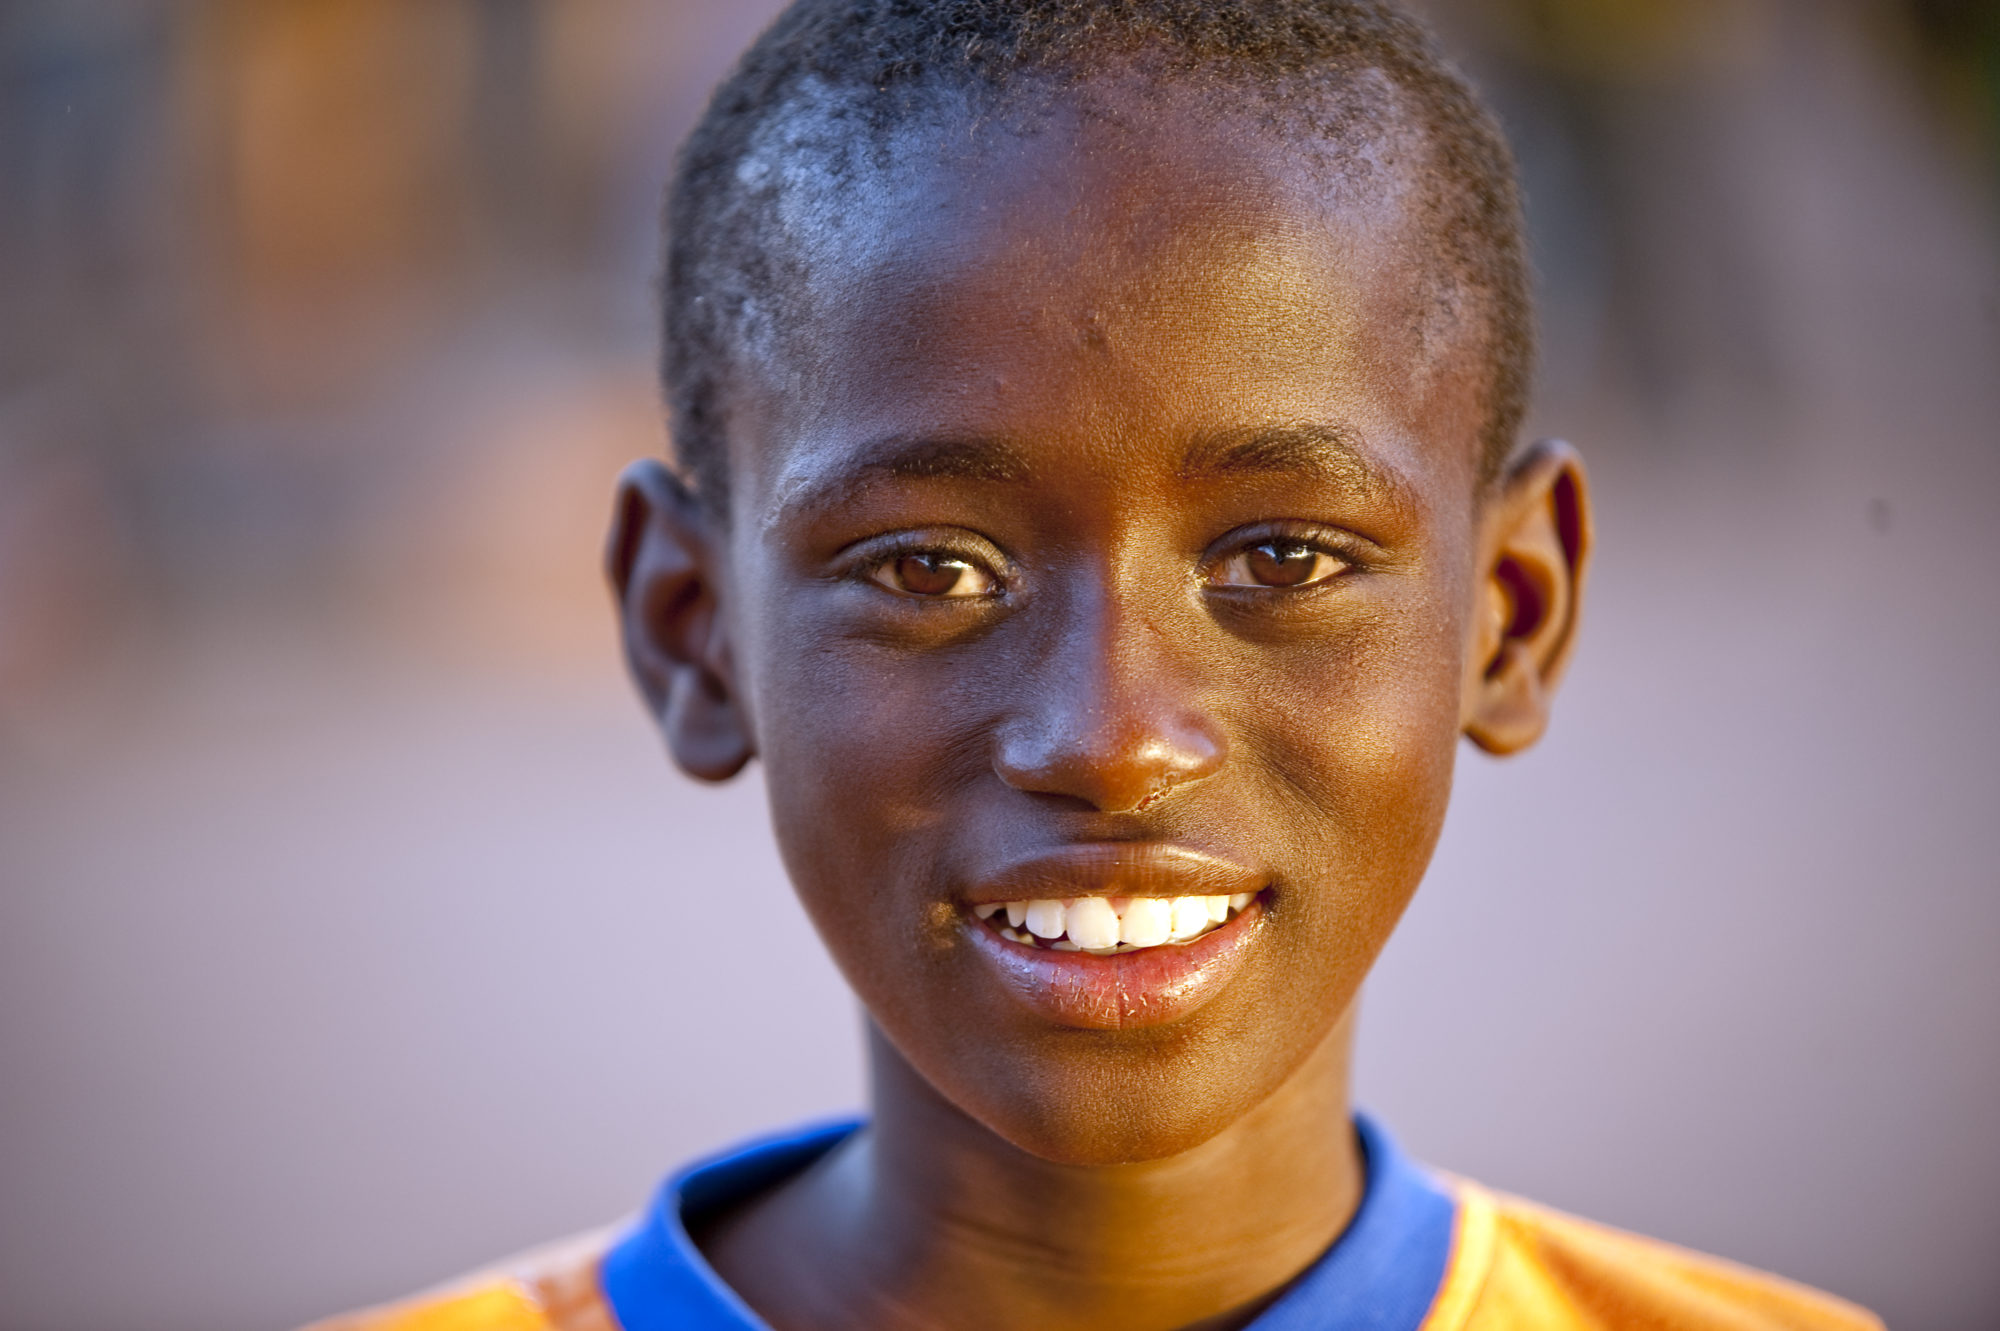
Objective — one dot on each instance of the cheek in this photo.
(1358, 721)
(880, 737)
(879, 766)
(1353, 742)
(837, 718)
(865, 751)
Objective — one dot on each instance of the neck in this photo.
(930, 1219)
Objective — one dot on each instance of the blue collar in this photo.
(1380, 1275)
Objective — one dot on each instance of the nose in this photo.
(1110, 716)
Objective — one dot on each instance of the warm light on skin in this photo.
(1104, 368)
(1083, 330)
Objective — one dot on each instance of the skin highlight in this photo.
(997, 581)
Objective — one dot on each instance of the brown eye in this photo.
(931, 574)
(1283, 564)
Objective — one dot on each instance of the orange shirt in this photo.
(1499, 1265)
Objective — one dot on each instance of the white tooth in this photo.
(1092, 924)
(1012, 936)
(1146, 922)
(1241, 899)
(1017, 911)
(1045, 918)
(1218, 908)
(1190, 917)
(1064, 945)
(986, 910)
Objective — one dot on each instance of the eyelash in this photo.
(875, 557)
(868, 562)
(1337, 546)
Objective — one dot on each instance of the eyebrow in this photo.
(1321, 453)
(1324, 453)
(899, 457)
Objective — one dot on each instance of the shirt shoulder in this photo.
(1520, 1265)
(551, 1288)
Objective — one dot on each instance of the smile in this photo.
(1115, 935)
(1106, 926)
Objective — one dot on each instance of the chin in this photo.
(1117, 1098)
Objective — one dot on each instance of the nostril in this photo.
(1111, 770)
(1056, 802)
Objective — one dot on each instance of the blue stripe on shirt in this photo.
(1381, 1274)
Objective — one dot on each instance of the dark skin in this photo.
(1099, 494)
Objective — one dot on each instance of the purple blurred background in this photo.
(354, 929)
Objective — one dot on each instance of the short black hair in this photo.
(830, 80)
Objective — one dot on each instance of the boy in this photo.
(1100, 508)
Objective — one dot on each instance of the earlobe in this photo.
(659, 557)
(1535, 551)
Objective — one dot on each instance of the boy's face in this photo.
(1103, 531)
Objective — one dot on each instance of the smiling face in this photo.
(1106, 543)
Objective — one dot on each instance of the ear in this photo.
(1534, 549)
(661, 560)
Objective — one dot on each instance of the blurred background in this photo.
(343, 885)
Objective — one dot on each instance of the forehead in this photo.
(1120, 265)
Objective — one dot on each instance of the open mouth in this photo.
(1106, 926)
(1115, 935)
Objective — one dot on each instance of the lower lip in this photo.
(1126, 990)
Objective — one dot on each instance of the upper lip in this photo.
(1117, 868)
